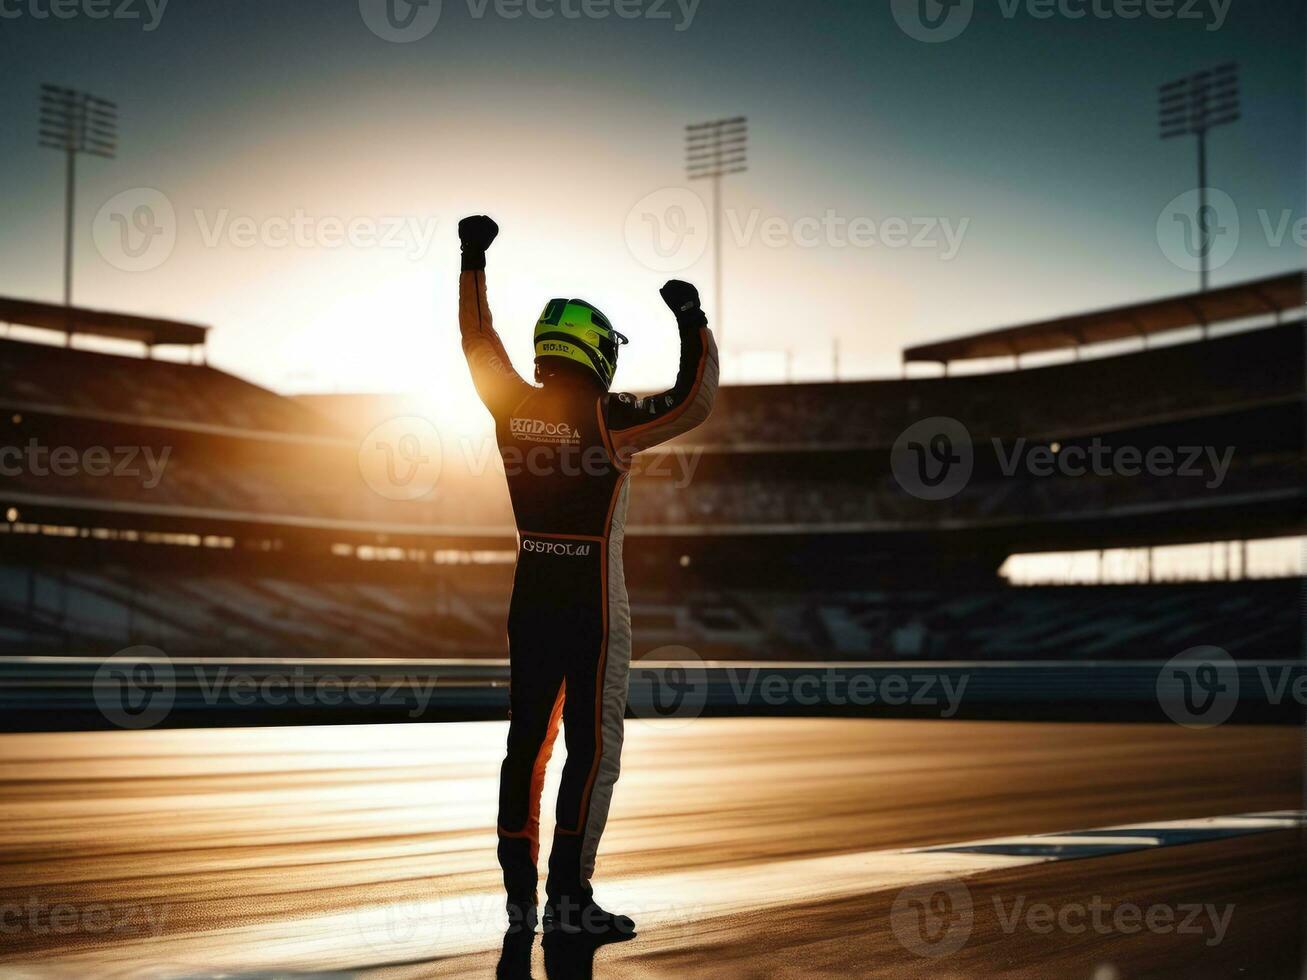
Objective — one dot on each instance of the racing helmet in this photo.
(574, 330)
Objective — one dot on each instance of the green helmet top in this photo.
(575, 330)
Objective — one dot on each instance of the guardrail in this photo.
(127, 691)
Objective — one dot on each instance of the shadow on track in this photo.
(566, 957)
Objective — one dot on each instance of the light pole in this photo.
(75, 122)
(1190, 106)
(714, 150)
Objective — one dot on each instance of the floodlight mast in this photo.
(75, 122)
(1190, 106)
(714, 150)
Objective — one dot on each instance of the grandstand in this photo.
(92, 385)
(234, 609)
(260, 537)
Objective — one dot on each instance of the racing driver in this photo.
(567, 445)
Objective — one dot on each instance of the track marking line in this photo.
(1127, 837)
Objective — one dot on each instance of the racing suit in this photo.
(567, 450)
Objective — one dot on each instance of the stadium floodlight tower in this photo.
(1190, 106)
(714, 150)
(76, 122)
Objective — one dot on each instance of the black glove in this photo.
(683, 300)
(476, 233)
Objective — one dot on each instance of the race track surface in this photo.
(743, 847)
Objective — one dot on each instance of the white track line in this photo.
(1127, 837)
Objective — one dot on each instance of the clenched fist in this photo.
(681, 298)
(477, 233)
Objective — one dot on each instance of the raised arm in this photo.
(641, 423)
(499, 386)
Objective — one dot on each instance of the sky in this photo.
(291, 172)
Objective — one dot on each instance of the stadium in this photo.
(260, 535)
(963, 557)
(266, 538)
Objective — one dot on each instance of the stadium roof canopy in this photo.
(101, 323)
(1273, 295)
